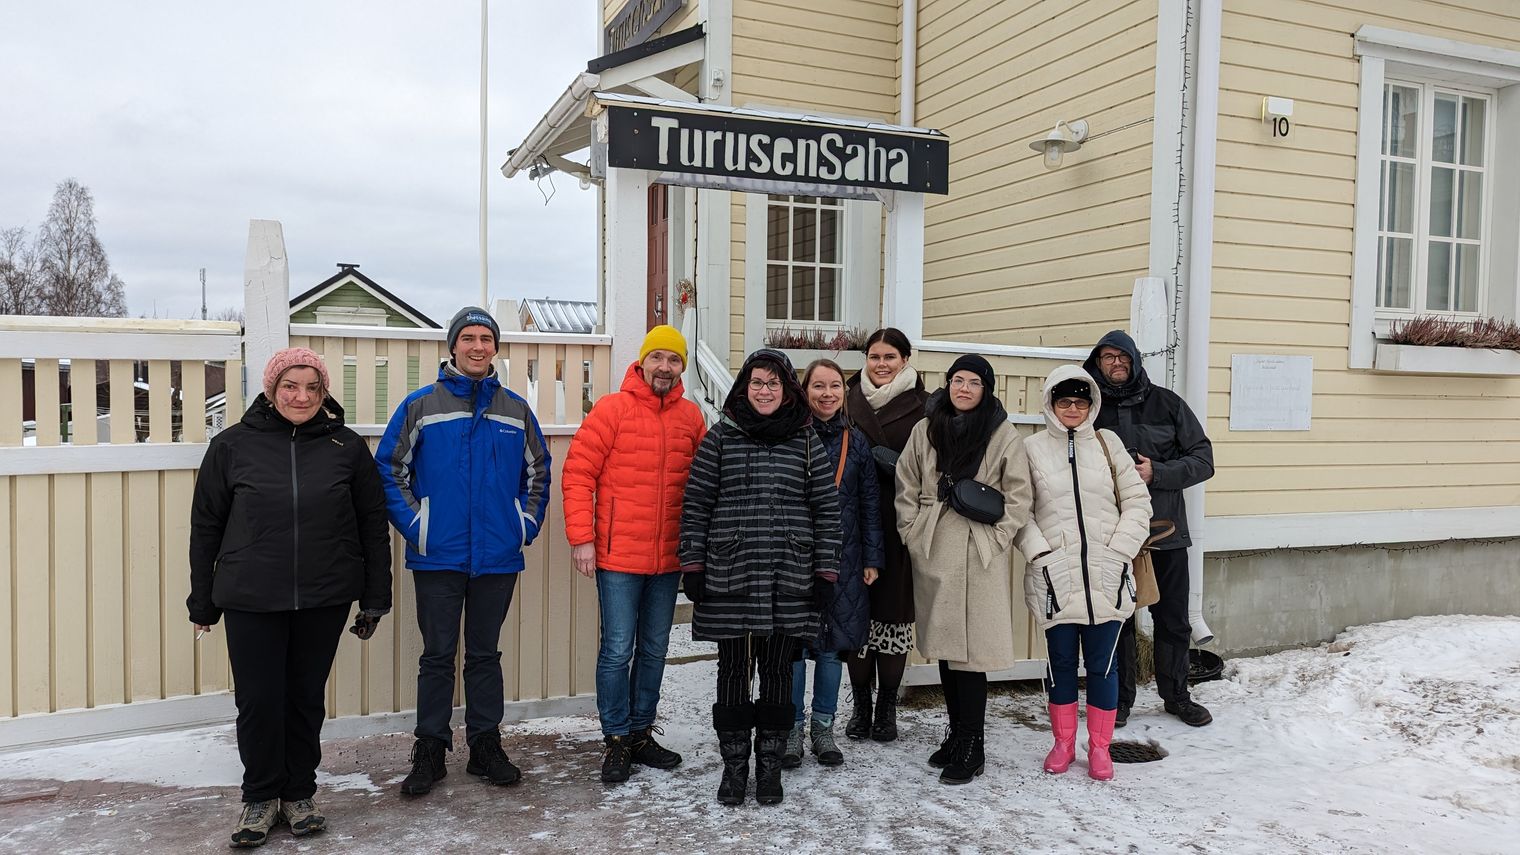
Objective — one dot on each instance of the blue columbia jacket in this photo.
(466, 475)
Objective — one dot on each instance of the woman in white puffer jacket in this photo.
(1079, 546)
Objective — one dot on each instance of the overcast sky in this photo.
(355, 124)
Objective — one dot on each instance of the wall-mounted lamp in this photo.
(1066, 137)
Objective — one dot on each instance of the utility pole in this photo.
(203, 293)
(484, 33)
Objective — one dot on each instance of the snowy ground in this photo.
(1397, 737)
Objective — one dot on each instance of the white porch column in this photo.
(902, 303)
(266, 299)
(627, 270)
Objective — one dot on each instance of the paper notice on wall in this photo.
(1270, 392)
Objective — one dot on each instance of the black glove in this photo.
(364, 625)
(691, 583)
(823, 592)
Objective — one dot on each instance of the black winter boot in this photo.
(647, 752)
(488, 760)
(884, 725)
(942, 757)
(859, 725)
(617, 759)
(967, 760)
(773, 723)
(733, 723)
(427, 766)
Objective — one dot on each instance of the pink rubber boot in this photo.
(1063, 723)
(1100, 732)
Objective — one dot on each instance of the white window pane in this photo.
(1474, 113)
(805, 234)
(775, 292)
(1399, 190)
(803, 301)
(1395, 272)
(1444, 143)
(1442, 189)
(1401, 120)
(1469, 257)
(1470, 206)
(1438, 277)
(828, 294)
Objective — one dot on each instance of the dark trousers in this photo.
(1173, 633)
(771, 655)
(442, 596)
(280, 662)
(1095, 644)
(965, 699)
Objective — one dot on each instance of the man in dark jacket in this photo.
(1172, 453)
(466, 475)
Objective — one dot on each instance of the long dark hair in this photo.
(807, 377)
(892, 337)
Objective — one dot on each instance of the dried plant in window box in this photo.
(1435, 331)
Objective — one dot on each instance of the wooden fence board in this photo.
(71, 607)
(108, 617)
(33, 638)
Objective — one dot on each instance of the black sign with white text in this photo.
(753, 148)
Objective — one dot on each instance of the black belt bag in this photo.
(976, 501)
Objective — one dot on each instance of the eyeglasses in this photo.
(1068, 403)
(1111, 358)
(768, 385)
(965, 382)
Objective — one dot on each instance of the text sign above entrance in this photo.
(742, 147)
(638, 20)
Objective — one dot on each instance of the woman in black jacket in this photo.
(847, 619)
(287, 529)
(759, 547)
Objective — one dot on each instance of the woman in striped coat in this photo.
(759, 546)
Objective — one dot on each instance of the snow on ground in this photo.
(1396, 737)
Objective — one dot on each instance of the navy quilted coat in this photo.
(848, 620)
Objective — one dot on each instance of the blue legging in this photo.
(1097, 643)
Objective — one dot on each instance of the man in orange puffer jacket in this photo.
(624, 477)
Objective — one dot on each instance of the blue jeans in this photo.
(636, 614)
(825, 682)
(1097, 643)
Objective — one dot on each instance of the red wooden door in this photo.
(658, 282)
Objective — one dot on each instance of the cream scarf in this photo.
(880, 396)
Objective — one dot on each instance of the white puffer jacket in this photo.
(1078, 544)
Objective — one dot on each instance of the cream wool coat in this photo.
(1089, 585)
(960, 568)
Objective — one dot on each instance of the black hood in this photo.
(1138, 381)
(786, 421)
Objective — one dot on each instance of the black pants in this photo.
(1173, 633)
(965, 699)
(442, 596)
(280, 662)
(771, 655)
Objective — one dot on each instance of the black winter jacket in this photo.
(847, 621)
(287, 517)
(1157, 423)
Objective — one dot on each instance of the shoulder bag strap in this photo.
(1113, 471)
(844, 452)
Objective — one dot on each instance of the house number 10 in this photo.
(1281, 126)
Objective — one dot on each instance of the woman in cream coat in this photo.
(960, 567)
(1079, 547)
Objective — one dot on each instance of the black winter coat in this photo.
(847, 621)
(892, 595)
(1157, 423)
(287, 517)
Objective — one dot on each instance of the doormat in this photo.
(1136, 752)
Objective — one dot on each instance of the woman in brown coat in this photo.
(886, 400)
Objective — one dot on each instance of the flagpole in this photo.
(484, 253)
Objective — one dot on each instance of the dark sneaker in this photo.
(253, 827)
(617, 760)
(647, 752)
(490, 762)
(303, 817)
(1121, 716)
(1192, 714)
(427, 766)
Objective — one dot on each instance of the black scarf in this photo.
(960, 439)
(792, 416)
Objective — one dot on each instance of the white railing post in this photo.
(626, 309)
(266, 299)
(903, 302)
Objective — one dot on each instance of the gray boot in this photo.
(821, 734)
(792, 758)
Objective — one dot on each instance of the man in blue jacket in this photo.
(466, 477)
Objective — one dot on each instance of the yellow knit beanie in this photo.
(664, 337)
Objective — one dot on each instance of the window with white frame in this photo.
(804, 259)
(1433, 191)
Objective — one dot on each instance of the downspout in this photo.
(908, 98)
(1200, 282)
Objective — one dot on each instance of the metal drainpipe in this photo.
(1200, 282)
(908, 100)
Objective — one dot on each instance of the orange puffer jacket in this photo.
(625, 473)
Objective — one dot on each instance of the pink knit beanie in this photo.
(293, 357)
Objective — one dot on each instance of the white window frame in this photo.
(791, 205)
(1395, 56)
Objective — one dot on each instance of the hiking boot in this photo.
(617, 760)
(303, 817)
(647, 752)
(967, 760)
(1192, 714)
(821, 735)
(489, 761)
(1121, 715)
(792, 757)
(884, 723)
(253, 827)
(859, 725)
(941, 757)
(427, 766)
